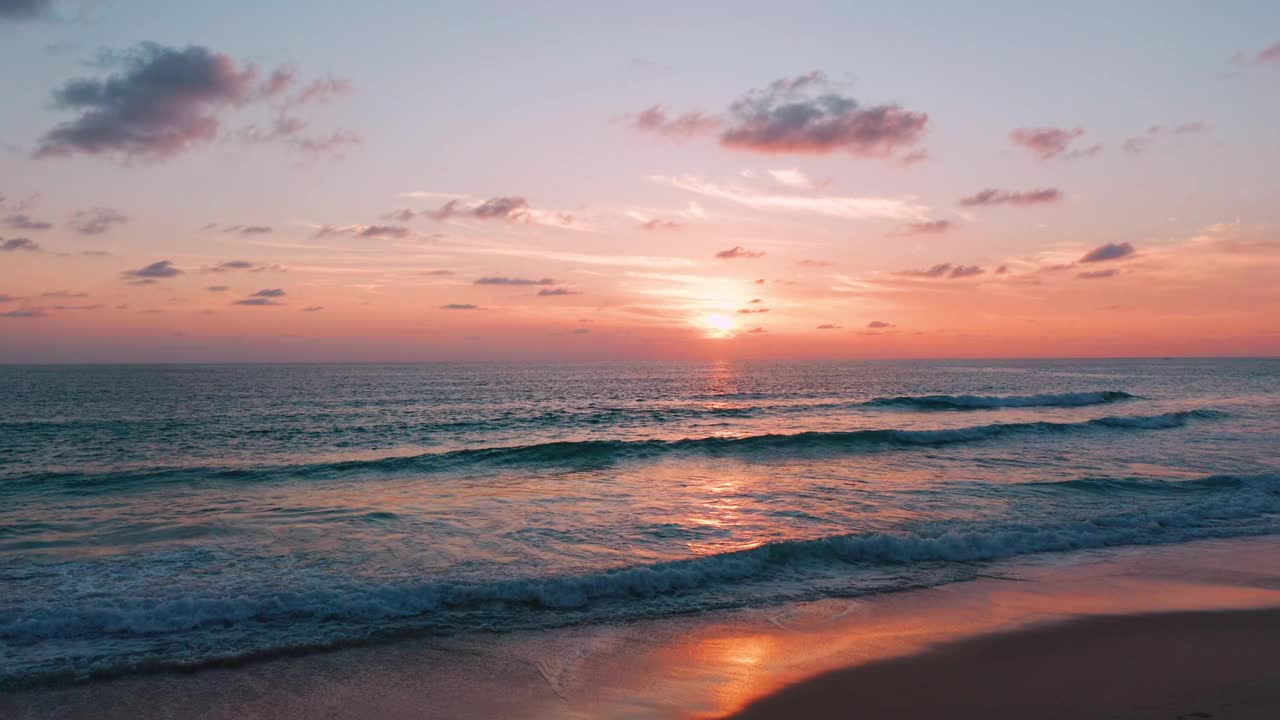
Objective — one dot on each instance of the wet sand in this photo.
(1179, 665)
(1155, 632)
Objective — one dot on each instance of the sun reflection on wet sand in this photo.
(712, 669)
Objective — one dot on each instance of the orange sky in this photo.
(620, 200)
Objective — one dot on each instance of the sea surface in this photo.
(166, 516)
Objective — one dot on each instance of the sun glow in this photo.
(719, 325)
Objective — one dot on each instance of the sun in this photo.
(719, 325)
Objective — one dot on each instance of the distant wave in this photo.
(1226, 506)
(990, 402)
(580, 453)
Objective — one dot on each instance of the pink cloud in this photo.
(927, 227)
(1051, 142)
(680, 127)
(1269, 55)
(738, 252)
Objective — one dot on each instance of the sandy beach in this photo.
(1175, 665)
(1146, 633)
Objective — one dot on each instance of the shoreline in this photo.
(1200, 664)
(759, 661)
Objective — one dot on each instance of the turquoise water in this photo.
(178, 515)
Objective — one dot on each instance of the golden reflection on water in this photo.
(722, 379)
(723, 511)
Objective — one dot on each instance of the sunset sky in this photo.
(426, 181)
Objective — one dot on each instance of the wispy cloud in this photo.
(1139, 144)
(927, 227)
(854, 208)
(514, 281)
(23, 313)
(737, 252)
(509, 208)
(22, 221)
(246, 230)
(364, 231)
(459, 306)
(96, 221)
(643, 261)
(16, 244)
(1052, 142)
(1097, 274)
(656, 120)
(792, 178)
(943, 270)
(991, 196)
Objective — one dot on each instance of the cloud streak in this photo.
(1139, 144)
(18, 244)
(991, 196)
(22, 221)
(1051, 142)
(96, 221)
(511, 208)
(926, 227)
(850, 208)
(738, 252)
(364, 231)
(513, 281)
(656, 120)
(943, 271)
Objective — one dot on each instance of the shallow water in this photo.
(179, 514)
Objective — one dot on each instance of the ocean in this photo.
(171, 516)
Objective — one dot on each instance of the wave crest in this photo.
(1224, 506)
(586, 453)
(992, 402)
